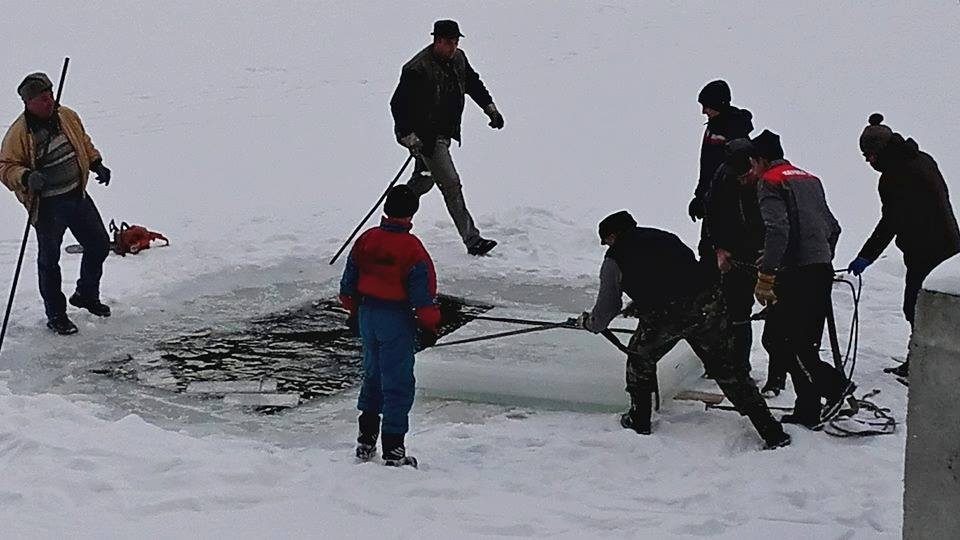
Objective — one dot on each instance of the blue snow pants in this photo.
(389, 333)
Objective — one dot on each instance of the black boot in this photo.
(903, 370)
(638, 417)
(769, 429)
(93, 306)
(62, 325)
(482, 247)
(809, 420)
(369, 431)
(394, 453)
(772, 388)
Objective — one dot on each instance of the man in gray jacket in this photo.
(795, 276)
(675, 298)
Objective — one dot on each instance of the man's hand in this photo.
(426, 338)
(103, 173)
(858, 265)
(35, 181)
(764, 289)
(696, 209)
(412, 143)
(724, 260)
(579, 322)
(496, 119)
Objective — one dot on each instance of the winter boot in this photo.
(638, 417)
(835, 402)
(367, 440)
(93, 306)
(808, 420)
(772, 388)
(769, 429)
(394, 453)
(62, 325)
(903, 370)
(482, 247)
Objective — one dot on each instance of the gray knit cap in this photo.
(33, 85)
(875, 136)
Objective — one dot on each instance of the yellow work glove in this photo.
(764, 289)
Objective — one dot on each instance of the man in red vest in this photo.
(390, 288)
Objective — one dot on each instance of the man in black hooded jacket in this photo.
(916, 211)
(724, 123)
(674, 298)
(737, 232)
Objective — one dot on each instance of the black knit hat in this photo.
(33, 85)
(738, 156)
(716, 95)
(875, 136)
(402, 202)
(446, 29)
(615, 224)
(767, 146)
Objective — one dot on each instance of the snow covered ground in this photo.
(255, 134)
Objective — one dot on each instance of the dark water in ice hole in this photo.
(307, 350)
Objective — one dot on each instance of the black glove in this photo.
(578, 322)
(412, 143)
(34, 181)
(353, 324)
(103, 173)
(426, 338)
(496, 119)
(696, 209)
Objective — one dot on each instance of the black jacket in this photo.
(429, 98)
(730, 124)
(916, 207)
(733, 216)
(656, 267)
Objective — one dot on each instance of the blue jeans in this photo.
(57, 214)
(388, 331)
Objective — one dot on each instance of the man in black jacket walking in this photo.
(724, 123)
(674, 298)
(916, 211)
(427, 107)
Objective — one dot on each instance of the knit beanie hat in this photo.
(715, 95)
(738, 156)
(33, 85)
(875, 136)
(616, 223)
(767, 146)
(402, 202)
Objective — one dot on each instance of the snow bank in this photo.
(945, 278)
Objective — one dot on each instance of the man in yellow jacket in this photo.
(45, 160)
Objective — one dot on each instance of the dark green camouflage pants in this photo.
(704, 324)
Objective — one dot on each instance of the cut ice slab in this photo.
(562, 368)
(263, 400)
(231, 387)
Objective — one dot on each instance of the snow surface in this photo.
(945, 278)
(255, 134)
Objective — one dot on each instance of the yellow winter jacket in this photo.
(17, 155)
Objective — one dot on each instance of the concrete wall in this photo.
(932, 476)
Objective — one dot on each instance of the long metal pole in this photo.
(372, 210)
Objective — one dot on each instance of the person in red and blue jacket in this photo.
(390, 288)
